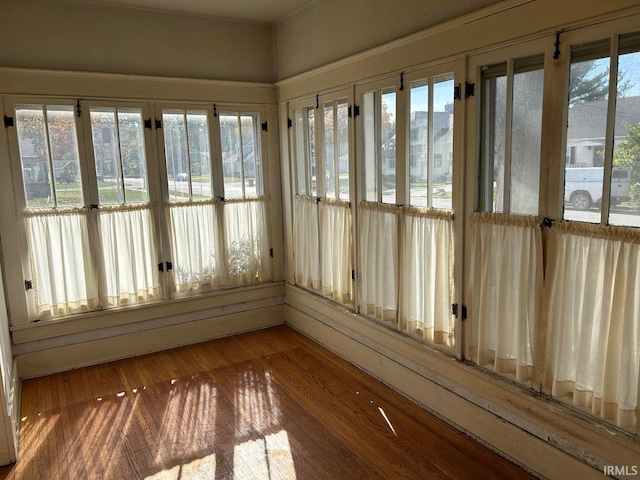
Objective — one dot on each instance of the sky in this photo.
(442, 94)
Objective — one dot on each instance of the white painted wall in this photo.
(328, 30)
(79, 36)
(7, 440)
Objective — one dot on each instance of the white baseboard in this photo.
(39, 362)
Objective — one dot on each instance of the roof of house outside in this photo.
(588, 120)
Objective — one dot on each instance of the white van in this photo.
(583, 186)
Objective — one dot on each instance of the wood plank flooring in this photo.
(264, 405)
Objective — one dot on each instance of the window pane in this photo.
(492, 157)
(119, 155)
(329, 153)
(65, 157)
(34, 156)
(199, 156)
(175, 145)
(251, 155)
(241, 166)
(343, 150)
(132, 151)
(419, 146)
(431, 144)
(388, 139)
(231, 156)
(442, 143)
(106, 151)
(586, 132)
(299, 145)
(369, 134)
(311, 150)
(526, 134)
(186, 143)
(49, 144)
(625, 176)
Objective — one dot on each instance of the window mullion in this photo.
(307, 152)
(215, 156)
(430, 144)
(88, 174)
(187, 154)
(378, 142)
(336, 150)
(241, 153)
(610, 132)
(52, 182)
(119, 159)
(318, 124)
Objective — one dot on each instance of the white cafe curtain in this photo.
(306, 250)
(506, 289)
(247, 256)
(196, 246)
(64, 278)
(379, 261)
(426, 275)
(129, 255)
(592, 313)
(335, 248)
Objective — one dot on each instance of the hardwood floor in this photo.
(266, 405)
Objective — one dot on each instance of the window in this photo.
(511, 136)
(505, 301)
(431, 143)
(406, 251)
(218, 232)
(240, 155)
(127, 237)
(305, 151)
(336, 149)
(601, 174)
(554, 303)
(92, 190)
(188, 154)
(246, 236)
(322, 210)
(379, 116)
(89, 224)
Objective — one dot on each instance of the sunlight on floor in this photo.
(264, 458)
(384, 415)
(261, 459)
(199, 468)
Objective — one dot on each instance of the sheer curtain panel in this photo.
(592, 309)
(335, 226)
(506, 291)
(246, 240)
(195, 243)
(306, 249)
(64, 278)
(129, 256)
(426, 285)
(379, 260)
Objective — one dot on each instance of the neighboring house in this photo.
(442, 142)
(587, 129)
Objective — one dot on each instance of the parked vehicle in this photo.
(583, 186)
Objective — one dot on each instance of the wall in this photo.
(329, 30)
(549, 438)
(79, 36)
(8, 442)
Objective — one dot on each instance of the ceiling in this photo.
(259, 11)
